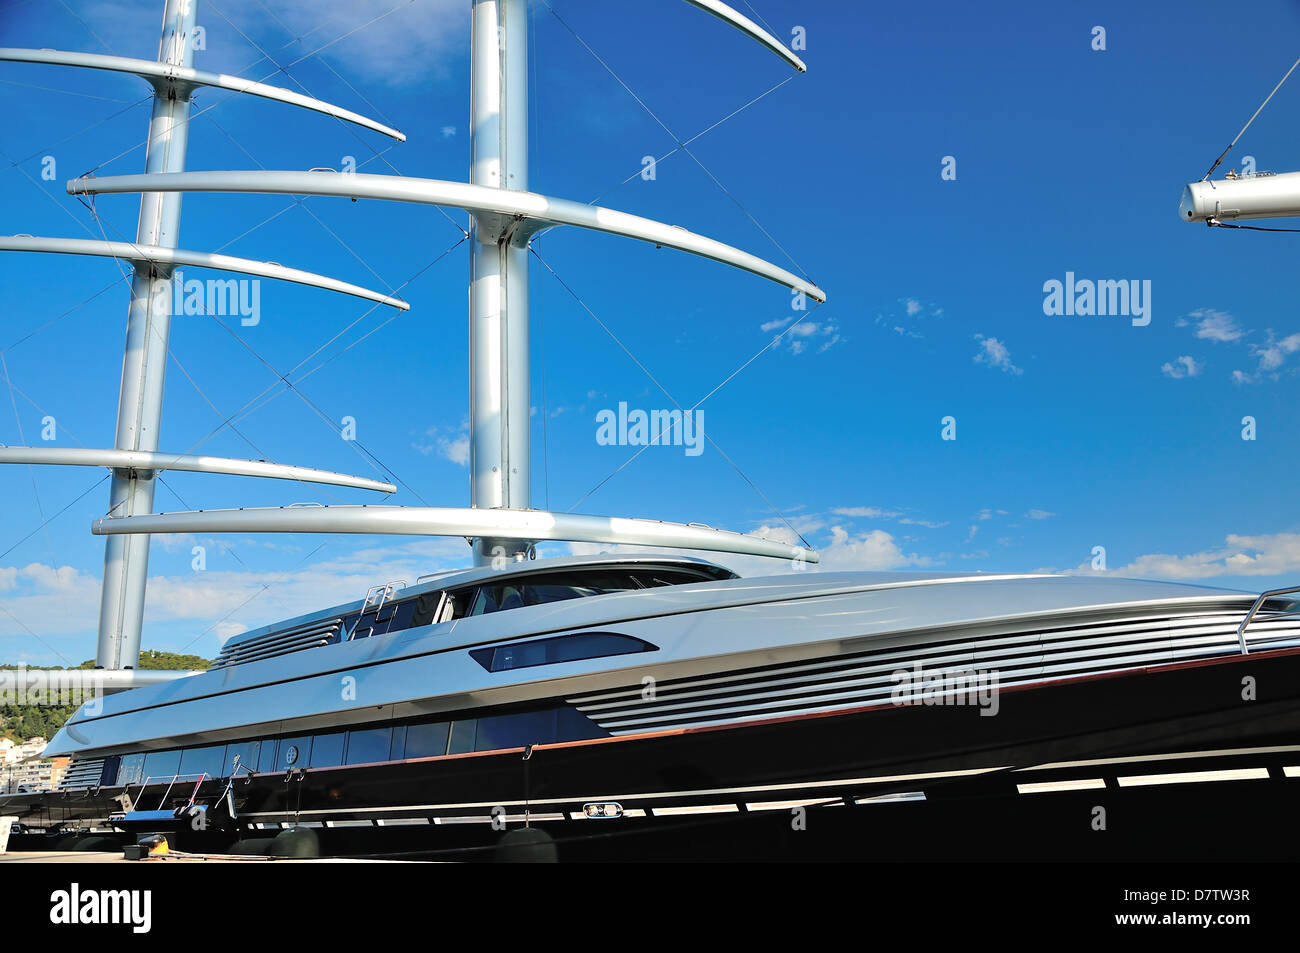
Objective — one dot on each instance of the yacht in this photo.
(623, 705)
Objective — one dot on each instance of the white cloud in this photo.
(1180, 367)
(824, 334)
(874, 550)
(406, 46)
(1266, 555)
(60, 605)
(877, 513)
(994, 353)
(869, 512)
(1218, 326)
(225, 631)
(905, 318)
(449, 444)
(1271, 357)
(1039, 514)
(456, 450)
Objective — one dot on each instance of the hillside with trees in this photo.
(21, 722)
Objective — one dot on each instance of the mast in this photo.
(505, 217)
(498, 291)
(144, 366)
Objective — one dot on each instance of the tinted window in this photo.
(266, 757)
(247, 752)
(162, 765)
(398, 750)
(204, 761)
(130, 769)
(462, 736)
(515, 730)
(293, 753)
(573, 725)
(370, 744)
(327, 750)
(564, 648)
(423, 741)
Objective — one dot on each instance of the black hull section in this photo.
(1236, 713)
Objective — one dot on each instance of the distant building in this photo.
(21, 767)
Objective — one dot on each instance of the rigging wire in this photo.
(342, 122)
(55, 516)
(1225, 152)
(758, 16)
(67, 92)
(270, 392)
(265, 586)
(703, 132)
(359, 448)
(605, 327)
(642, 103)
(31, 471)
(231, 549)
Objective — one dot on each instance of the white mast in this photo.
(139, 409)
(498, 293)
(505, 216)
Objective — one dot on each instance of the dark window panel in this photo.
(398, 751)
(131, 769)
(266, 756)
(423, 741)
(515, 730)
(463, 732)
(327, 750)
(247, 751)
(573, 725)
(293, 753)
(162, 765)
(564, 648)
(369, 745)
(204, 761)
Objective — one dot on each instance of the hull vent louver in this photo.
(309, 635)
(82, 774)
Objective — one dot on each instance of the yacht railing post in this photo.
(139, 412)
(498, 298)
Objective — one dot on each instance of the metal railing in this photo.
(1263, 597)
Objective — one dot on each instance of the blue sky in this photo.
(1072, 432)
